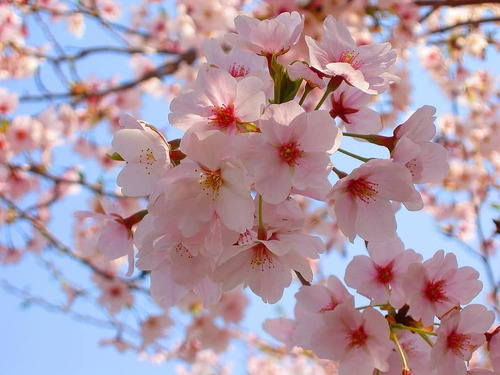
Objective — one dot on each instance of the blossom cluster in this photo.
(223, 202)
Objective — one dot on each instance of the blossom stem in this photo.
(424, 333)
(323, 98)
(353, 155)
(381, 140)
(301, 278)
(339, 173)
(261, 233)
(307, 90)
(394, 338)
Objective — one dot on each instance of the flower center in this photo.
(290, 153)
(357, 338)
(457, 342)
(115, 292)
(329, 306)
(261, 257)
(385, 274)
(339, 110)
(352, 58)
(182, 250)
(434, 291)
(147, 158)
(211, 180)
(223, 116)
(363, 189)
(238, 70)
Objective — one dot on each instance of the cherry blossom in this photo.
(146, 153)
(264, 258)
(359, 340)
(219, 101)
(379, 277)
(426, 160)
(115, 294)
(361, 200)
(267, 37)
(209, 181)
(459, 334)
(438, 285)
(349, 104)
(295, 148)
(8, 101)
(364, 67)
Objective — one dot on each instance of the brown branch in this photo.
(465, 23)
(452, 3)
(165, 69)
(40, 171)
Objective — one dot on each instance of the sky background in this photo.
(36, 341)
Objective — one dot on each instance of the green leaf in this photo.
(115, 156)
(284, 88)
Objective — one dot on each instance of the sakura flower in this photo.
(219, 101)
(239, 63)
(209, 181)
(170, 282)
(427, 161)
(115, 293)
(380, 276)
(292, 151)
(359, 340)
(265, 261)
(361, 200)
(116, 237)
(459, 334)
(365, 67)
(267, 37)
(417, 353)
(153, 328)
(266, 265)
(349, 104)
(312, 303)
(437, 286)
(23, 134)
(147, 155)
(8, 102)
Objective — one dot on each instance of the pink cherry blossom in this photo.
(437, 286)
(209, 181)
(359, 340)
(349, 104)
(239, 63)
(292, 151)
(379, 277)
(459, 334)
(153, 328)
(426, 160)
(146, 153)
(361, 200)
(8, 101)
(364, 67)
(264, 259)
(219, 101)
(417, 353)
(267, 37)
(312, 303)
(116, 237)
(115, 294)
(23, 134)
